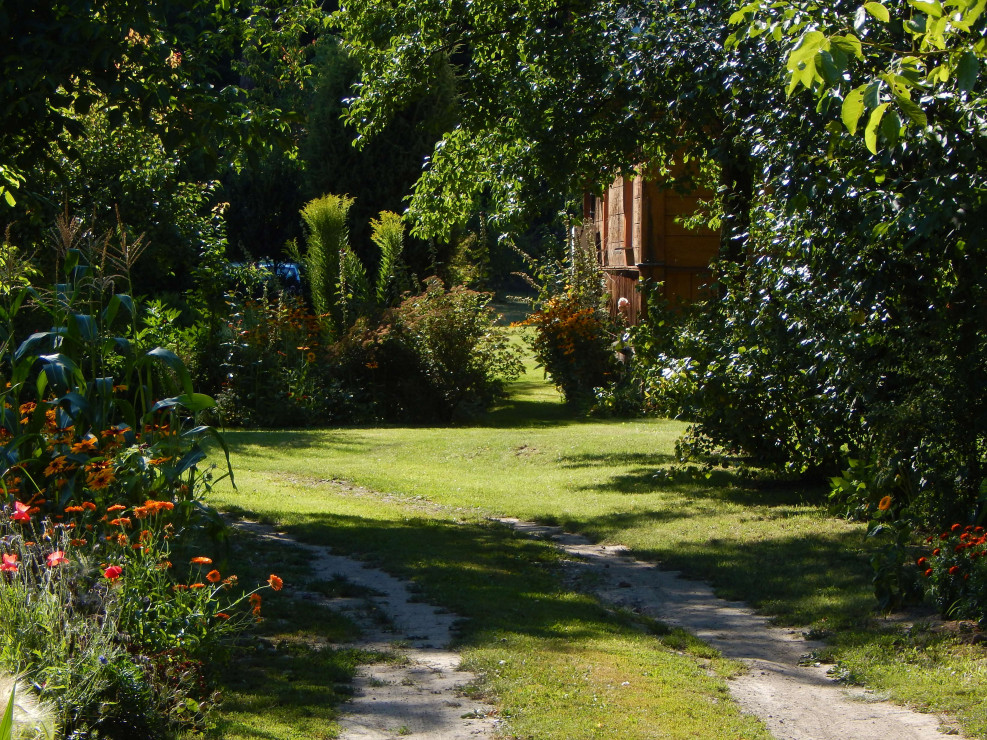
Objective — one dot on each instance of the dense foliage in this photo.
(106, 604)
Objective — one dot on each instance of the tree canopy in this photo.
(179, 67)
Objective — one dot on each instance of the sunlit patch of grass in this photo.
(755, 538)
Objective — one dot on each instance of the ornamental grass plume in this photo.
(32, 718)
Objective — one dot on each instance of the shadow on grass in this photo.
(800, 579)
(718, 484)
(287, 677)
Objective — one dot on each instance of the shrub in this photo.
(956, 572)
(573, 342)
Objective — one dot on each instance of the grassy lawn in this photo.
(559, 664)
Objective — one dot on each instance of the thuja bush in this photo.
(102, 605)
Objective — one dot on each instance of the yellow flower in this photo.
(885, 503)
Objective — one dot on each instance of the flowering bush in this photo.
(274, 353)
(100, 452)
(956, 569)
(435, 355)
(573, 341)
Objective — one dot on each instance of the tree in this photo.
(555, 96)
(173, 66)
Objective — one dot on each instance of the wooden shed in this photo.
(638, 237)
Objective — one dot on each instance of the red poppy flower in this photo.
(56, 558)
(21, 512)
(9, 563)
(113, 572)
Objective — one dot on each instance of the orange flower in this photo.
(163, 565)
(100, 479)
(123, 521)
(89, 505)
(201, 561)
(89, 444)
(116, 507)
(59, 465)
(198, 585)
(275, 583)
(122, 539)
(222, 615)
(213, 576)
(885, 503)
(74, 510)
(78, 543)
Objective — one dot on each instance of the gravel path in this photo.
(795, 698)
(419, 693)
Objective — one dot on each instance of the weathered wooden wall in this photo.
(637, 237)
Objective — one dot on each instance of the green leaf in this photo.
(174, 363)
(7, 723)
(967, 71)
(849, 44)
(912, 110)
(853, 108)
(877, 10)
(870, 132)
(9, 197)
(933, 9)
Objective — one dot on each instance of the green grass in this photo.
(541, 646)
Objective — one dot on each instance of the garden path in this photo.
(418, 693)
(792, 694)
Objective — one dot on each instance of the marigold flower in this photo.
(9, 563)
(141, 512)
(222, 615)
(116, 507)
(213, 576)
(201, 561)
(122, 539)
(56, 558)
(79, 542)
(928, 573)
(163, 565)
(197, 585)
(123, 521)
(113, 572)
(954, 569)
(74, 510)
(89, 505)
(936, 551)
(275, 583)
(921, 561)
(255, 599)
(956, 528)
